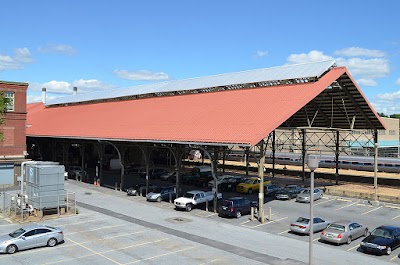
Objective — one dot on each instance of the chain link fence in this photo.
(20, 208)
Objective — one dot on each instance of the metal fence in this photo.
(18, 208)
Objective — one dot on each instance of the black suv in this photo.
(237, 206)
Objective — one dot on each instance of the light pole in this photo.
(312, 163)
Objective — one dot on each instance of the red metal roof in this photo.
(242, 117)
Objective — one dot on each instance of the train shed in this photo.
(213, 113)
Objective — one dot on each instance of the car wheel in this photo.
(238, 214)
(51, 242)
(11, 249)
(159, 199)
(250, 191)
(366, 232)
(348, 240)
(188, 207)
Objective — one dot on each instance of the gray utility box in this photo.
(45, 185)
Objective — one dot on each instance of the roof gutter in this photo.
(146, 141)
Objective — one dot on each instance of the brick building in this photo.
(13, 146)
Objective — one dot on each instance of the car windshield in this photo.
(382, 233)
(232, 180)
(302, 220)
(17, 233)
(157, 190)
(305, 192)
(188, 195)
(249, 181)
(336, 227)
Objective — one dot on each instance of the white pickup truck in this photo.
(193, 198)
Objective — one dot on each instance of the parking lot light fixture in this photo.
(312, 163)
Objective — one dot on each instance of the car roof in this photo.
(343, 222)
(235, 198)
(30, 227)
(389, 227)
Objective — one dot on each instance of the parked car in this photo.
(219, 180)
(289, 192)
(136, 189)
(237, 206)
(231, 184)
(153, 173)
(343, 232)
(161, 194)
(271, 189)
(250, 185)
(76, 172)
(382, 240)
(302, 225)
(132, 169)
(194, 198)
(30, 236)
(305, 195)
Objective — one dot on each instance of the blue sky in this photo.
(97, 45)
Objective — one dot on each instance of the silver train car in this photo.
(362, 163)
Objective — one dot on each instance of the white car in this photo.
(220, 179)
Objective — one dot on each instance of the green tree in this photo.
(396, 116)
(3, 109)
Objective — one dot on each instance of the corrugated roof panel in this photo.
(285, 72)
(228, 119)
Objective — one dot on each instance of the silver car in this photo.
(343, 232)
(30, 237)
(302, 225)
(304, 196)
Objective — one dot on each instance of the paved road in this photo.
(248, 243)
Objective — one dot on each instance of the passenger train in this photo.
(363, 163)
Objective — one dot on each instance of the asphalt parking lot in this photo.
(113, 228)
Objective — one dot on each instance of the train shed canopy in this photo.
(230, 109)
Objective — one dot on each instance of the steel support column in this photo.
(273, 153)
(303, 154)
(261, 176)
(337, 152)
(376, 164)
(247, 160)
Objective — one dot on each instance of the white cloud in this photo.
(143, 75)
(38, 98)
(366, 68)
(91, 85)
(21, 56)
(63, 87)
(359, 52)
(261, 54)
(387, 103)
(367, 82)
(58, 48)
(398, 81)
(312, 56)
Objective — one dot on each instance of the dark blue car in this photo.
(382, 240)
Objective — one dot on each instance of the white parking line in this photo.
(158, 256)
(372, 210)
(365, 205)
(315, 204)
(392, 206)
(395, 217)
(346, 206)
(316, 239)
(356, 246)
(214, 260)
(344, 200)
(395, 257)
(286, 231)
(99, 228)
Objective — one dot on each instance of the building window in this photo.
(381, 132)
(10, 96)
(392, 132)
